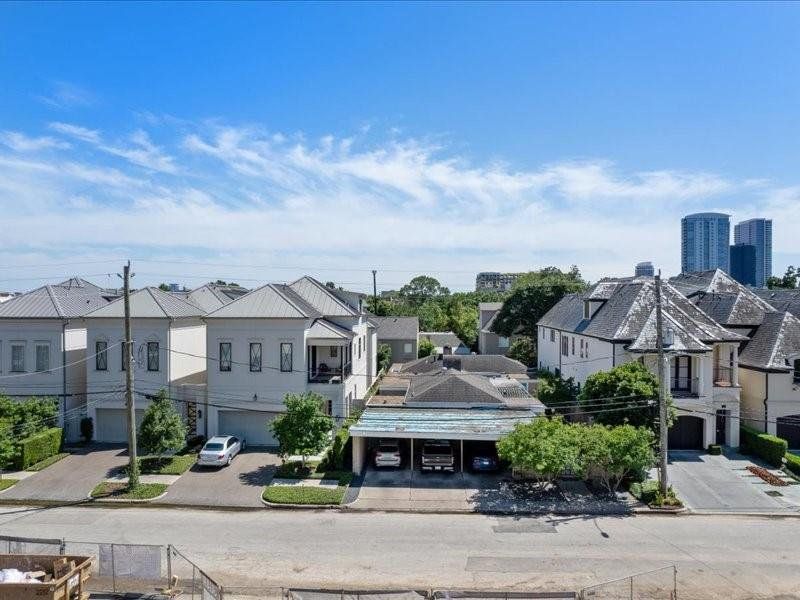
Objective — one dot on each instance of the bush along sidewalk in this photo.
(770, 448)
(304, 495)
(120, 491)
(38, 447)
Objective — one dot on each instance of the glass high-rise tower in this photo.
(758, 233)
(705, 242)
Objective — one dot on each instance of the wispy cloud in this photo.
(249, 195)
(22, 143)
(64, 95)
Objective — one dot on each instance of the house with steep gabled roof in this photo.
(283, 338)
(614, 322)
(400, 334)
(43, 345)
(169, 350)
(212, 296)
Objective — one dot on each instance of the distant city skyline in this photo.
(705, 242)
(757, 232)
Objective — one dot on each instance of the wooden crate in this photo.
(67, 574)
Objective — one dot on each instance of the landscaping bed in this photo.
(120, 491)
(312, 470)
(299, 494)
(766, 476)
(166, 465)
(6, 483)
(43, 464)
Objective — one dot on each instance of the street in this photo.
(716, 557)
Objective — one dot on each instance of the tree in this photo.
(303, 429)
(384, 356)
(523, 349)
(788, 281)
(544, 447)
(619, 396)
(462, 319)
(29, 416)
(432, 317)
(532, 296)
(378, 306)
(557, 394)
(425, 348)
(8, 449)
(610, 454)
(164, 287)
(422, 288)
(162, 428)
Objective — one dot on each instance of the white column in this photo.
(735, 349)
(702, 362)
(359, 444)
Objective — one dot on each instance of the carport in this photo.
(417, 424)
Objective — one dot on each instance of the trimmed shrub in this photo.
(793, 463)
(336, 456)
(39, 446)
(87, 429)
(770, 448)
(714, 449)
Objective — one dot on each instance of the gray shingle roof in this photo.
(396, 328)
(72, 298)
(149, 303)
(463, 388)
(443, 338)
(782, 300)
(626, 313)
(468, 363)
(270, 301)
(723, 298)
(325, 301)
(775, 343)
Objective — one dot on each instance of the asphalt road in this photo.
(717, 557)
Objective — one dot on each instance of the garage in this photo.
(250, 426)
(686, 433)
(112, 424)
(788, 428)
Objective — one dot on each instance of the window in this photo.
(255, 357)
(125, 355)
(286, 357)
(797, 370)
(42, 357)
(359, 347)
(586, 352)
(152, 356)
(573, 346)
(334, 351)
(502, 342)
(565, 346)
(18, 358)
(552, 335)
(101, 356)
(408, 348)
(581, 352)
(225, 356)
(587, 309)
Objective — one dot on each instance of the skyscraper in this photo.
(705, 242)
(758, 233)
(645, 269)
(743, 264)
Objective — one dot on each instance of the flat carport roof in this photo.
(443, 424)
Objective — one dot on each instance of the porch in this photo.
(329, 363)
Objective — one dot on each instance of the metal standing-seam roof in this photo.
(212, 296)
(322, 299)
(270, 301)
(149, 303)
(325, 330)
(72, 298)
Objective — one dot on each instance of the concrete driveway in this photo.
(239, 484)
(723, 484)
(72, 478)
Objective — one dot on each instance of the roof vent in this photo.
(669, 336)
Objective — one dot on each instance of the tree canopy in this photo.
(788, 281)
(424, 348)
(162, 428)
(303, 429)
(532, 296)
(523, 349)
(422, 288)
(619, 396)
(384, 356)
(557, 394)
(543, 447)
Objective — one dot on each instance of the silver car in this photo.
(388, 454)
(220, 450)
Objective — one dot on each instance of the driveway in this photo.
(240, 484)
(72, 478)
(723, 483)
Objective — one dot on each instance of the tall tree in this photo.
(432, 317)
(621, 395)
(303, 429)
(425, 348)
(523, 349)
(788, 281)
(532, 296)
(422, 288)
(162, 428)
(544, 447)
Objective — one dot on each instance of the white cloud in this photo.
(22, 143)
(65, 95)
(251, 196)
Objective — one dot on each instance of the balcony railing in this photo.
(325, 374)
(684, 387)
(723, 376)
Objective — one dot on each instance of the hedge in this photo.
(335, 457)
(38, 447)
(768, 447)
(793, 463)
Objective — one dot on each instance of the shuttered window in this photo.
(42, 357)
(17, 358)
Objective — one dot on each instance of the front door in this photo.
(682, 373)
(722, 421)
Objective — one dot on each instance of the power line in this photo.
(55, 369)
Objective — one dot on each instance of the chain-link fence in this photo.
(23, 545)
(659, 584)
(190, 581)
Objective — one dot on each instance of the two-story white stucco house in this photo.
(169, 353)
(43, 345)
(615, 322)
(769, 362)
(280, 339)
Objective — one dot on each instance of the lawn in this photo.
(299, 494)
(166, 465)
(43, 464)
(295, 470)
(145, 491)
(6, 483)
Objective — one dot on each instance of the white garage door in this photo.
(112, 424)
(248, 425)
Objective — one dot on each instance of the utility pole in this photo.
(133, 464)
(662, 391)
(374, 291)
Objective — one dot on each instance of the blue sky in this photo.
(336, 138)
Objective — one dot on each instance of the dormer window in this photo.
(587, 309)
(669, 336)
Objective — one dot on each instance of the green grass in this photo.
(43, 464)
(644, 491)
(295, 470)
(167, 465)
(300, 494)
(145, 491)
(6, 483)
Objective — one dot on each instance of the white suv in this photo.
(219, 451)
(388, 454)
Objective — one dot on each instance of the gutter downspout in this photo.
(64, 374)
(766, 401)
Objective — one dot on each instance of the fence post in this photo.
(631, 588)
(113, 571)
(169, 565)
(675, 582)
(63, 549)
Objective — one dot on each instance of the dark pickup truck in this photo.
(437, 456)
